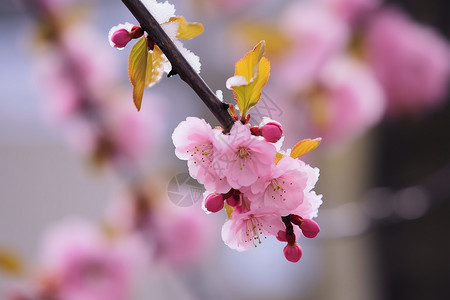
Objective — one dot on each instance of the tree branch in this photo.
(179, 63)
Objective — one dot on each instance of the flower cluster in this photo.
(265, 191)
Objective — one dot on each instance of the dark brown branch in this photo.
(179, 63)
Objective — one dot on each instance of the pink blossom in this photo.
(89, 266)
(412, 61)
(352, 10)
(285, 187)
(241, 157)
(349, 101)
(245, 230)
(311, 201)
(193, 140)
(317, 35)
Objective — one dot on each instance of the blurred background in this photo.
(79, 166)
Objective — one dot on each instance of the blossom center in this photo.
(243, 152)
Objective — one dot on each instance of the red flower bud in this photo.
(310, 228)
(120, 38)
(281, 236)
(293, 253)
(272, 131)
(136, 32)
(255, 130)
(214, 202)
(233, 201)
(295, 219)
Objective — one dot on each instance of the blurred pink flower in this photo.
(411, 61)
(61, 97)
(54, 6)
(133, 134)
(349, 101)
(181, 235)
(352, 10)
(175, 237)
(317, 35)
(89, 266)
(72, 77)
(98, 70)
(115, 133)
(233, 5)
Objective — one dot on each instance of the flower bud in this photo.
(272, 131)
(255, 130)
(136, 32)
(310, 228)
(295, 219)
(281, 236)
(120, 38)
(293, 253)
(214, 202)
(233, 201)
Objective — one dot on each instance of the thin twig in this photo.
(179, 64)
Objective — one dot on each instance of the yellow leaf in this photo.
(145, 68)
(229, 210)
(256, 70)
(155, 69)
(278, 157)
(10, 263)
(248, 65)
(137, 69)
(260, 82)
(305, 146)
(187, 30)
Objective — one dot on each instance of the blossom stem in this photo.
(180, 65)
(287, 222)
